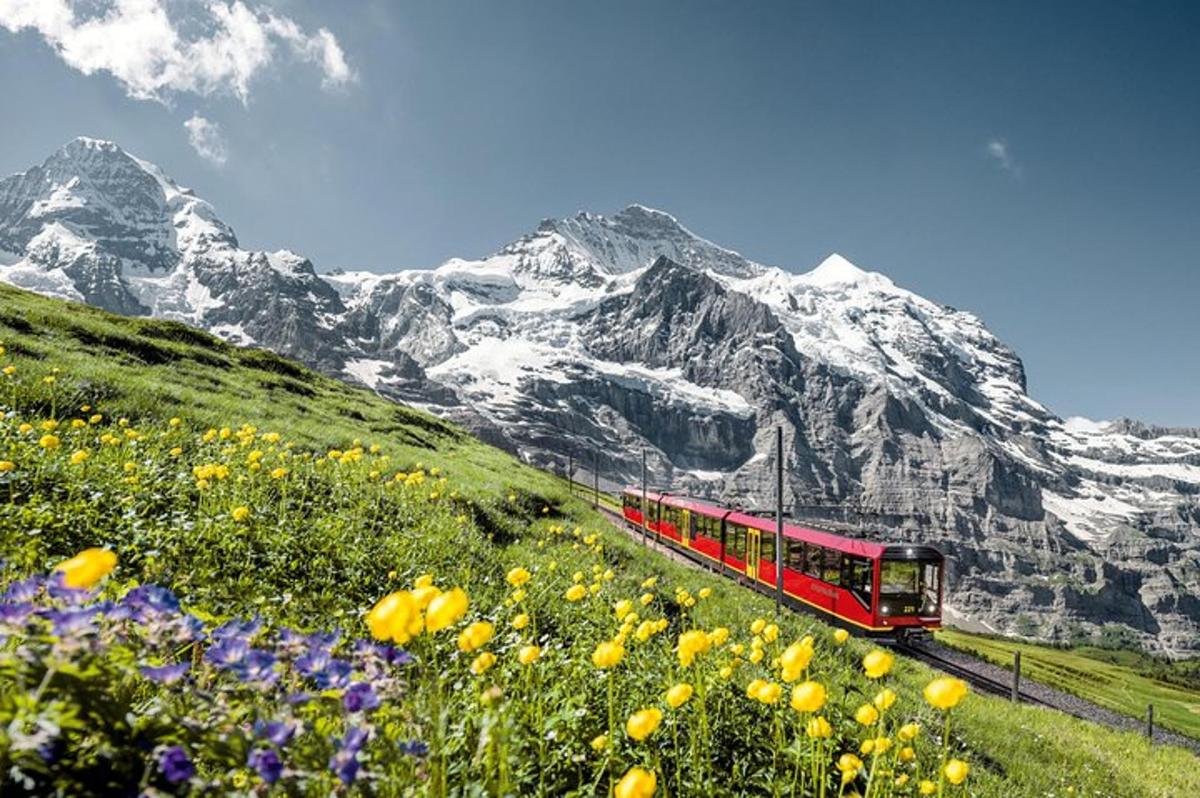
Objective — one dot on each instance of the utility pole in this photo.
(1150, 722)
(645, 530)
(1016, 683)
(778, 518)
(596, 474)
(571, 472)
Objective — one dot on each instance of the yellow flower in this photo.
(95, 419)
(49, 442)
(704, 592)
(768, 693)
(641, 724)
(691, 643)
(758, 625)
(599, 742)
(396, 616)
(956, 771)
(278, 473)
(725, 673)
(718, 636)
(518, 576)
(475, 636)
(9, 371)
(840, 636)
(424, 580)
(529, 655)
(87, 567)
(877, 663)
(6, 466)
(445, 609)
(678, 695)
(176, 451)
(795, 659)
(646, 598)
(882, 744)
(649, 582)
(636, 783)
(945, 692)
(520, 622)
(175, 421)
(866, 747)
(808, 697)
(623, 608)
(608, 654)
(884, 699)
(866, 715)
(756, 656)
(79, 456)
(927, 787)
(770, 633)
(426, 593)
(908, 731)
(240, 513)
(818, 728)
(849, 763)
(575, 592)
(480, 664)
(907, 754)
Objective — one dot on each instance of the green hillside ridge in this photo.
(1123, 681)
(318, 545)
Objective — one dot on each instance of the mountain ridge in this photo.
(602, 334)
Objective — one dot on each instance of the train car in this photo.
(876, 589)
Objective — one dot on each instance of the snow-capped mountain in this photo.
(599, 335)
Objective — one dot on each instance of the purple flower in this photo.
(56, 586)
(313, 662)
(15, 614)
(266, 762)
(328, 672)
(356, 737)
(360, 697)
(23, 590)
(243, 629)
(165, 674)
(148, 601)
(174, 764)
(258, 666)
(345, 764)
(72, 623)
(415, 748)
(389, 654)
(274, 731)
(227, 652)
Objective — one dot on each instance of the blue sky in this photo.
(1037, 165)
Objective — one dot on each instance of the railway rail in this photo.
(984, 677)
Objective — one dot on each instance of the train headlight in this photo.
(886, 609)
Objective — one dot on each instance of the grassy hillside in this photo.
(254, 488)
(1117, 680)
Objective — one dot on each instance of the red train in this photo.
(877, 589)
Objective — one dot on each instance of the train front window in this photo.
(909, 587)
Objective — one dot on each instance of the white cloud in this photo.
(147, 51)
(997, 150)
(206, 139)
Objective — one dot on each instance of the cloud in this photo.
(206, 139)
(997, 150)
(206, 47)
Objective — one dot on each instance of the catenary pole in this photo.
(645, 529)
(778, 518)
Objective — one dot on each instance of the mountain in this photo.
(599, 335)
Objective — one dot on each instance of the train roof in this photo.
(830, 540)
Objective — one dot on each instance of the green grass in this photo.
(320, 554)
(1115, 680)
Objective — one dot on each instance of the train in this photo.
(874, 589)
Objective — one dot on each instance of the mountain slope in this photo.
(602, 335)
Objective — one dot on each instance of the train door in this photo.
(753, 552)
(685, 529)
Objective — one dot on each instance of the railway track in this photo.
(983, 677)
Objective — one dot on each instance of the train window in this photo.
(767, 546)
(812, 560)
(856, 576)
(794, 558)
(737, 542)
(898, 577)
(832, 570)
(931, 583)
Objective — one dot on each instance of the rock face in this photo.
(903, 419)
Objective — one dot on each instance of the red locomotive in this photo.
(878, 589)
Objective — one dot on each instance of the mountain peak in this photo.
(836, 270)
